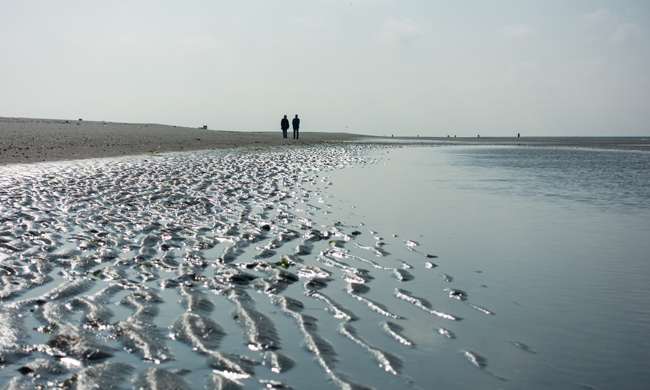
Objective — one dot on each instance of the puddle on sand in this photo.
(212, 270)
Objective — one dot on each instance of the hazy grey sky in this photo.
(403, 67)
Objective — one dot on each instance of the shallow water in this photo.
(422, 267)
(553, 240)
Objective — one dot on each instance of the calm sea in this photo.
(555, 241)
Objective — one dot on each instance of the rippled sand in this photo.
(216, 270)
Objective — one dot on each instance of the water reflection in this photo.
(277, 267)
(548, 239)
(598, 177)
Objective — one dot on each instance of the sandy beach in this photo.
(27, 140)
(334, 266)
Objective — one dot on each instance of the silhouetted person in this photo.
(296, 124)
(284, 124)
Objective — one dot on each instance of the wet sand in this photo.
(262, 264)
(26, 140)
(238, 275)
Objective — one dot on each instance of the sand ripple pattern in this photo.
(218, 270)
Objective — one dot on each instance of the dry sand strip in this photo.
(25, 140)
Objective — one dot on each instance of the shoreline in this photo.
(28, 140)
(628, 143)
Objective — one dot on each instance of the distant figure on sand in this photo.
(296, 124)
(284, 124)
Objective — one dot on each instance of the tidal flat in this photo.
(208, 269)
(330, 266)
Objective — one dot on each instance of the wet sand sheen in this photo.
(240, 274)
(238, 269)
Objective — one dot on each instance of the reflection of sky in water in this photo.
(560, 237)
(553, 242)
(599, 177)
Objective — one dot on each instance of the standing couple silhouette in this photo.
(284, 124)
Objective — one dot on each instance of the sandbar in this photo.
(631, 143)
(28, 140)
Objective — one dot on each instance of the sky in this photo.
(378, 67)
